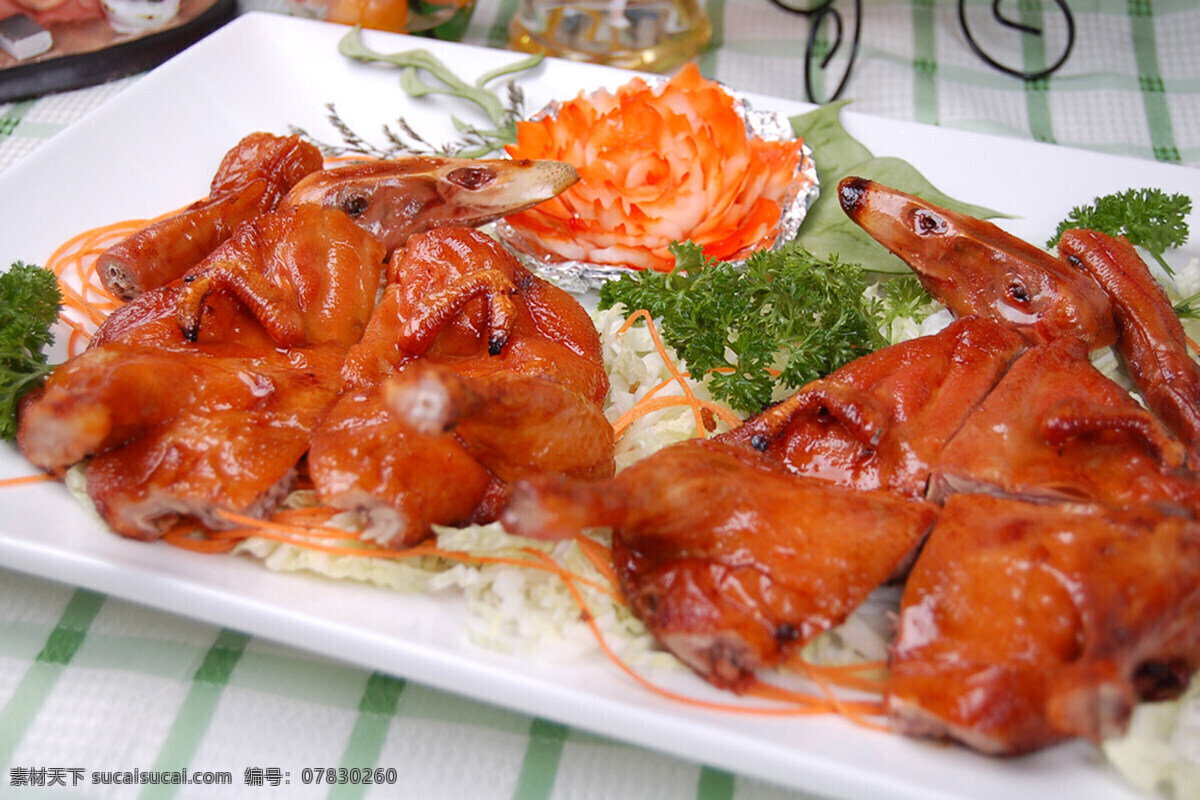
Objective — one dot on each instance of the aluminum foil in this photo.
(581, 276)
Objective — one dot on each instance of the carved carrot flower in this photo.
(657, 164)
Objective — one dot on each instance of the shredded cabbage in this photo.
(1160, 753)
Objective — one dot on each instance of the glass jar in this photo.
(655, 35)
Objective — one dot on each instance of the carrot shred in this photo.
(848, 676)
(86, 303)
(24, 480)
(648, 406)
(599, 556)
(287, 534)
(190, 537)
(692, 400)
(649, 403)
(800, 704)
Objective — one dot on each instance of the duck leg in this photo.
(732, 564)
(251, 179)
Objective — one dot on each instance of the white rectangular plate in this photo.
(155, 147)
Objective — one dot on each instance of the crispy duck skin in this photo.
(514, 424)
(880, 421)
(1055, 428)
(251, 179)
(471, 372)
(1152, 342)
(730, 561)
(1025, 624)
(235, 449)
(193, 422)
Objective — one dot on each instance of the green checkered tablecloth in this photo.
(90, 683)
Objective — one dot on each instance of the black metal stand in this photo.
(823, 12)
(1027, 29)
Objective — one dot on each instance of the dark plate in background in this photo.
(88, 53)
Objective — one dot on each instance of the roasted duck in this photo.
(215, 414)
(726, 557)
(1023, 623)
(473, 372)
(393, 200)
(1055, 429)
(880, 421)
(1152, 341)
(198, 397)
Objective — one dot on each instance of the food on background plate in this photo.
(53, 11)
(23, 38)
(658, 164)
(135, 16)
(55, 28)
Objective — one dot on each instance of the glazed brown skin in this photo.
(390, 199)
(514, 424)
(1152, 342)
(471, 372)
(977, 269)
(305, 273)
(1057, 429)
(193, 423)
(251, 179)
(880, 421)
(728, 559)
(1087, 611)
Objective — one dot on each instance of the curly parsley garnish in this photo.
(29, 302)
(1149, 218)
(783, 310)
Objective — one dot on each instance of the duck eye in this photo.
(471, 178)
(1018, 292)
(927, 222)
(355, 205)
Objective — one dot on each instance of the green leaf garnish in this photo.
(826, 229)
(423, 74)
